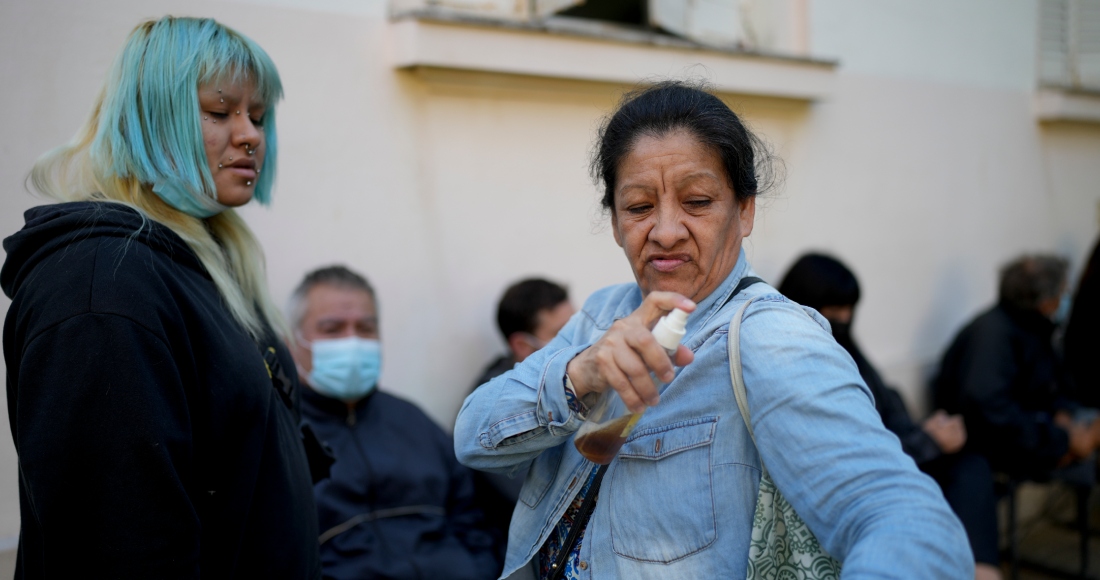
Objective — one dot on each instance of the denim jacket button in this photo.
(583, 565)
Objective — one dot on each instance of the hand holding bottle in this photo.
(626, 354)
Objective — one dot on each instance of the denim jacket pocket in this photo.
(542, 473)
(660, 499)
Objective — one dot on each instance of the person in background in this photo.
(828, 286)
(397, 504)
(1082, 338)
(157, 432)
(529, 315)
(1003, 375)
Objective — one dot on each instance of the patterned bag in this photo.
(782, 546)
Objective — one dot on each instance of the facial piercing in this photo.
(219, 90)
(231, 159)
(221, 100)
(219, 165)
(205, 118)
(238, 112)
(248, 183)
(257, 172)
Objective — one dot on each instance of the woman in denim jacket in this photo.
(680, 177)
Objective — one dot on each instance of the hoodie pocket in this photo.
(661, 500)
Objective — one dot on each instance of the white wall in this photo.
(924, 171)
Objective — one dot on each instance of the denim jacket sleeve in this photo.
(514, 417)
(823, 443)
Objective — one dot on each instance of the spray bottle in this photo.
(608, 423)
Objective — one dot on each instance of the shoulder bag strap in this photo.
(733, 341)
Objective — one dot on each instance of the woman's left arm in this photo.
(824, 444)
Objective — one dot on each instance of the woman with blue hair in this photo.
(156, 427)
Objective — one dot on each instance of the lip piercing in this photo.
(219, 165)
(248, 183)
(221, 100)
(231, 159)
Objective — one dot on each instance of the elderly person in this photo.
(680, 177)
(155, 422)
(1004, 376)
(398, 505)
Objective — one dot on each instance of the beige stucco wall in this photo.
(924, 170)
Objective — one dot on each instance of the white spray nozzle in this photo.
(670, 329)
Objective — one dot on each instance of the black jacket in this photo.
(1003, 375)
(398, 504)
(152, 440)
(917, 443)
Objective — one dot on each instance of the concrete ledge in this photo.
(1053, 105)
(568, 49)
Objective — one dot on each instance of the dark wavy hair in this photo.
(674, 105)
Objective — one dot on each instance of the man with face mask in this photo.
(936, 444)
(397, 504)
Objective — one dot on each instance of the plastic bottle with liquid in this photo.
(608, 423)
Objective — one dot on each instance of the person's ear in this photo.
(521, 349)
(747, 215)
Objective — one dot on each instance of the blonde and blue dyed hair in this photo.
(142, 147)
(150, 124)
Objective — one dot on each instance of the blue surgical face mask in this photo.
(345, 368)
(1065, 305)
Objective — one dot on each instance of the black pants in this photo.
(967, 483)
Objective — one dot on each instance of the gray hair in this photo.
(337, 275)
(1029, 280)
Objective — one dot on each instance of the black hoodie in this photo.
(156, 439)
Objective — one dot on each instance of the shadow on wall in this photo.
(947, 309)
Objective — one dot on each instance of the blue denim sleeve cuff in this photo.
(553, 409)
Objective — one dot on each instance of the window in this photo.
(1069, 44)
(769, 26)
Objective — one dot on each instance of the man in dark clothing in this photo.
(529, 315)
(1003, 375)
(398, 505)
(825, 284)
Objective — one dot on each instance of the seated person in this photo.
(529, 315)
(1003, 375)
(397, 504)
(828, 286)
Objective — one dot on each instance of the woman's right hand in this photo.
(624, 356)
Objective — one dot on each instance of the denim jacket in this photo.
(678, 501)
